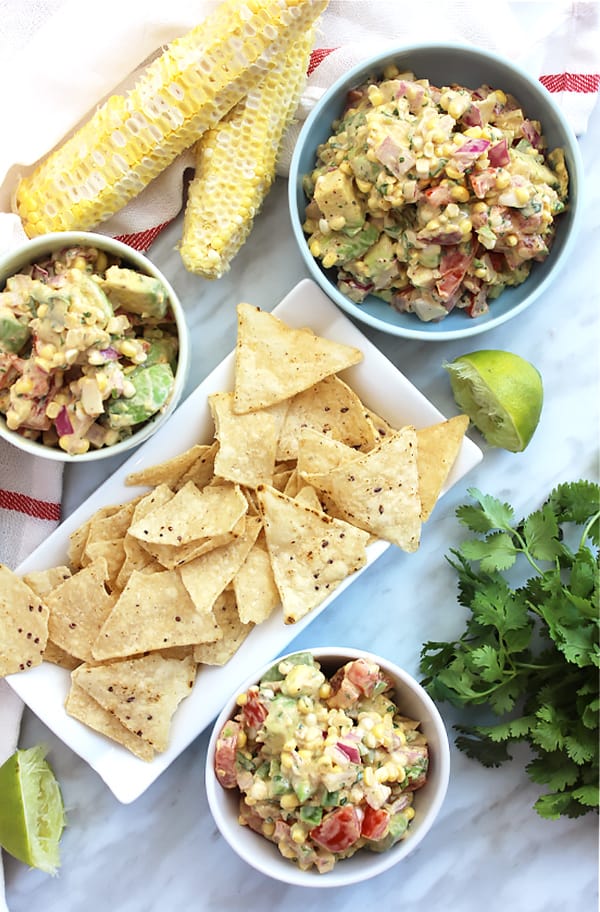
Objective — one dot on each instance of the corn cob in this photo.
(132, 138)
(235, 166)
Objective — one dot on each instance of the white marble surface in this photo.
(488, 849)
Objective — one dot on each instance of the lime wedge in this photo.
(502, 394)
(31, 810)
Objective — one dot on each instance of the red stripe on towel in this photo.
(30, 506)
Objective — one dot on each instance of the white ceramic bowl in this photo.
(442, 64)
(263, 855)
(33, 250)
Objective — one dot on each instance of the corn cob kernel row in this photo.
(235, 166)
(132, 138)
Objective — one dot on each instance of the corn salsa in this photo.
(88, 350)
(324, 767)
(432, 198)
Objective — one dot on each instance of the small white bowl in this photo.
(442, 64)
(37, 248)
(264, 855)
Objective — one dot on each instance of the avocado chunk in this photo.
(163, 351)
(336, 197)
(13, 334)
(153, 386)
(135, 293)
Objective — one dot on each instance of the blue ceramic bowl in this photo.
(442, 64)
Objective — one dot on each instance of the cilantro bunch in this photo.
(530, 650)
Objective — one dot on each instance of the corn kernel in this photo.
(500, 96)
(23, 385)
(289, 801)
(459, 193)
(452, 210)
(315, 248)
(376, 96)
(522, 195)
(242, 699)
(330, 259)
(363, 185)
(452, 172)
(480, 207)
(368, 776)
(325, 691)
(268, 828)
(512, 240)
(466, 226)
(298, 834)
(502, 180)
(409, 813)
(242, 738)
(52, 410)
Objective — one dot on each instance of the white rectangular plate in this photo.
(382, 387)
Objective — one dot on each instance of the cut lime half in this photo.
(32, 815)
(502, 394)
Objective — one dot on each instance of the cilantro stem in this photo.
(586, 529)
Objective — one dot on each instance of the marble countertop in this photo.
(488, 848)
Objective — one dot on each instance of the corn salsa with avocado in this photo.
(324, 767)
(433, 198)
(88, 350)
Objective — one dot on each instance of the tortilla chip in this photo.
(319, 453)
(172, 556)
(23, 624)
(438, 447)
(379, 491)
(247, 443)
(113, 551)
(311, 553)
(81, 706)
(254, 585)
(57, 656)
(192, 514)
(77, 540)
(109, 524)
(153, 611)
(168, 472)
(44, 581)
(309, 497)
(201, 470)
(381, 427)
(331, 408)
(78, 608)
(143, 693)
(234, 632)
(136, 557)
(274, 361)
(207, 576)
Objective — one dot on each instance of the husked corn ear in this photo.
(235, 166)
(132, 138)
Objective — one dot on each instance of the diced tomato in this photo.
(483, 181)
(453, 267)
(225, 754)
(254, 711)
(338, 830)
(438, 196)
(375, 823)
(364, 675)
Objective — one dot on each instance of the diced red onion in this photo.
(350, 751)
(498, 154)
(109, 354)
(62, 422)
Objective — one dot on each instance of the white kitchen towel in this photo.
(54, 71)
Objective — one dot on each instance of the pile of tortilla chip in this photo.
(272, 514)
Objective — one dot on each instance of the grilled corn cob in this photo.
(235, 166)
(131, 138)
